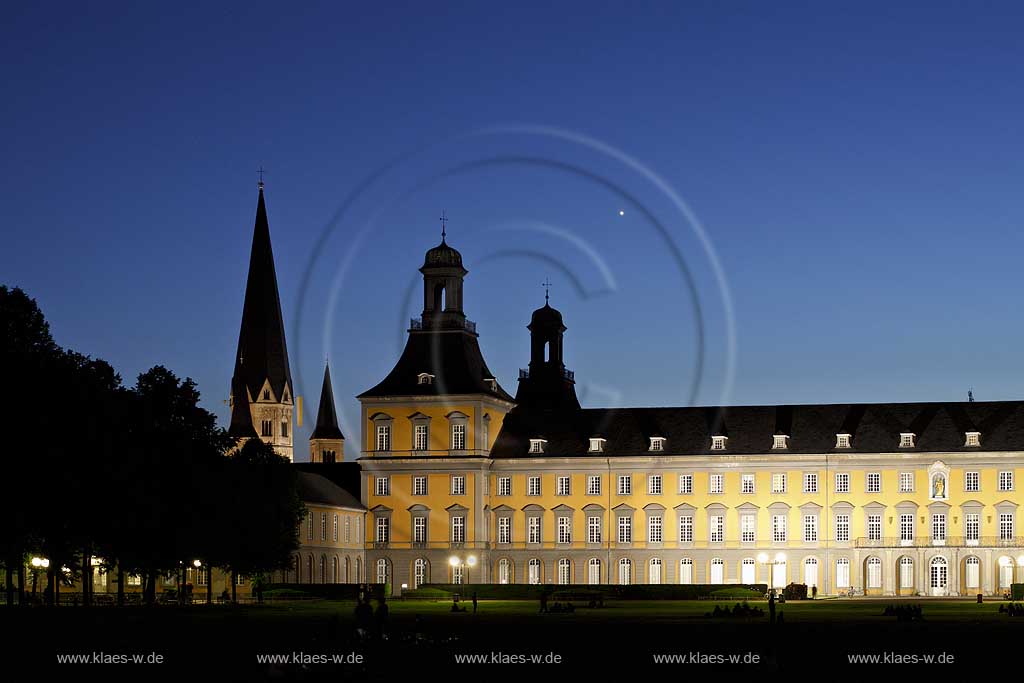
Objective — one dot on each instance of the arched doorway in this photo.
(419, 572)
(594, 571)
(533, 572)
(811, 573)
(717, 570)
(748, 571)
(654, 571)
(1005, 573)
(873, 576)
(972, 575)
(939, 576)
(779, 574)
(686, 570)
(504, 570)
(905, 572)
(625, 571)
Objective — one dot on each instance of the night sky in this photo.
(856, 170)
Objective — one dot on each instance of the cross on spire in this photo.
(547, 289)
(444, 224)
(260, 171)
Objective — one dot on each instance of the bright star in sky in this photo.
(622, 213)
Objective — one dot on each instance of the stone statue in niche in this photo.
(939, 487)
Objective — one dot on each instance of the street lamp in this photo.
(469, 563)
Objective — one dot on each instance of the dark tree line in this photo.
(138, 478)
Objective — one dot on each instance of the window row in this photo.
(458, 429)
(339, 528)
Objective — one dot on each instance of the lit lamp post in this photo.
(456, 561)
(38, 563)
(764, 560)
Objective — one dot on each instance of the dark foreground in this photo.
(319, 641)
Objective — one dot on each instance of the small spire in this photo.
(444, 224)
(970, 395)
(547, 289)
(260, 183)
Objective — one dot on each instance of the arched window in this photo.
(348, 570)
(564, 571)
(717, 570)
(594, 571)
(654, 571)
(906, 572)
(309, 569)
(748, 571)
(504, 570)
(533, 571)
(973, 573)
(842, 573)
(419, 572)
(323, 569)
(874, 573)
(686, 570)
(359, 570)
(382, 570)
(625, 572)
(939, 575)
(1005, 572)
(811, 572)
(334, 569)
(294, 571)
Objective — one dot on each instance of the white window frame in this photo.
(458, 485)
(382, 486)
(383, 434)
(810, 482)
(779, 528)
(533, 487)
(748, 528)
(654, 529)
(657, 444)
(596, 444)
(537, 445)
(779, 481)
(685, 484)
(564, 524)
(504, 486)
(383, 530)
(686, 528)
(593, 529)
(780, 442)
(654, 485)
(419, 485)
(873, 482)
(563, 485)
(907, 439)
(504, 529)
(842, 528)
(458, 524)
(972, 481)
(533, 529)
(625, 529)
(874, 526)
(843, 440)
(811, 528)
(906, 482)
(842, 483)
(716, 529)
(593, 484)
(458, 436)
(718, 442)
(625, 484)
(419, 529)
(1006, 480)
(420, 437)
(972, 439)
(716, 483)
(748, 483)
(907, 527)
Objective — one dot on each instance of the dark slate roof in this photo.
(326, 416)
(442, 256)
(262, 353)
(315, 488)
(241, 426)
(452, 356)
(346, 475)
(875, 428)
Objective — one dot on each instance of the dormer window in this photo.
(972, 439)
(424, 378)
(842, 440)
(718, 442)
(492, 383)
(906, 439)
(780, 441)
(537, 445)
(657, 443)
(596, 444)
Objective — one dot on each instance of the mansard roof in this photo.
(262, 353)
(318, 489)
(874, 428)
(452, 356)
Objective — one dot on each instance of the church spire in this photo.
(326, 416)
(262, 354)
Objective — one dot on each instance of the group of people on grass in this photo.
(1013, 609)
(903, 612)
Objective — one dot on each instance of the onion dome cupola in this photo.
(547, 384)
(443, 276)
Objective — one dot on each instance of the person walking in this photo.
(771, 607)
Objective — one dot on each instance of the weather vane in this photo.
(260, 171)
(444, 224)
(547, 289)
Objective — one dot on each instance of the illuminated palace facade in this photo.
(465, 484)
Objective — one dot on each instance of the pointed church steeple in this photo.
(326, 443)
(262, 378)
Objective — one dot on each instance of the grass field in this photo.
(426, 636)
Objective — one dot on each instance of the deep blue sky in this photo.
(857, 168)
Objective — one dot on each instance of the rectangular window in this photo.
(748, 528)
(716, 483)
(779, 482)
(564, 530)
(419, 486)
(419, 437)
(685, 483)
(843, 528)
(458, 529)
(938, 527)
(625, 484)
(842, 482)
(504, 529)
(625, 529)
(383, 529)
(593, 529)
(810, 482)
(874, 527)
(654, 534)
(1005, 526)
(533, 486)
(1006, 481)
(533, 529)
(686, 529)
(284, 429)
(906, 527)
(458, 436)
(458, 485)
(348, 530)
(419, 529)
(323, 526)
(267, 428)
(972, 481)
(383, 437)
(972, 526)
(874, 482)
(383, 486)
(810, 528)
(779, 528)
(746, 483)
(906, 482)
(594, 485)
(504, 486)
(716, 524)
(334, 535)
(654, 485)
(562, 486)
(309, 526)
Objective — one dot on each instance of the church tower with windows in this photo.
(261, 385)
(326, 443)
